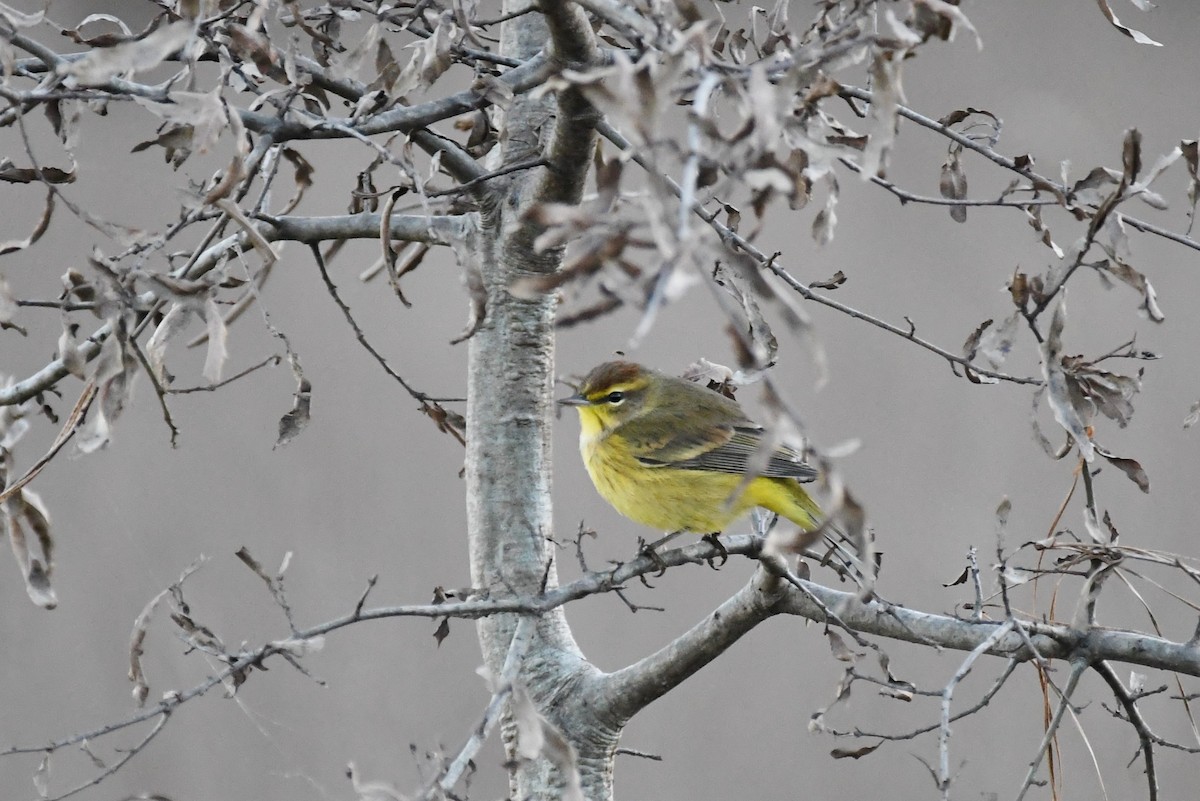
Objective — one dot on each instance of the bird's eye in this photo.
(615, 398)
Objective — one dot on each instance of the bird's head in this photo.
(611, 394)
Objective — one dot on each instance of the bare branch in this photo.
(635, 687)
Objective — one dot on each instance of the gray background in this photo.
(371, 486)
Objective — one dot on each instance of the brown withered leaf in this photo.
(826, 219)
(1191, 155)
(1130, 467)
(1135, 35)
(1128, 275)
(997, 342)
(854, 753)
(971, 346)
(1018, 288)
(254, 44)
(887, 96)
(302, 177)
(448, 422)
(476, 290)
(387, 71)
(22, 515)
(108, 38)
(39, 228)
(1193, 415)
(1034, 217)
(537, 738)
(100, 65)
(230, 178)
(962, 578)
(8, 307)
(176, 141)
(28, 175)
(141, 627)
(243, 554)
(173, 322)
(900, 693)
(953, 183)
(837, 645)
(64, 116)
(495, 91)
(1066, 401)
(19, 19)
(295, 421)
(442, 631)
(113, 372)
(758, 331)
(1109, 393)
(430, 58)
(833, 282)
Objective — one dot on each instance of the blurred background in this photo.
(371, 486)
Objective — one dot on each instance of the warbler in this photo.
(671, 454)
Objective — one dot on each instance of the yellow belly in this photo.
(671, 499)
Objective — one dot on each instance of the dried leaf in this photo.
(43, 223)
(962, 578)
(854, 753)
(476, 290)
(303, 173)
(886, 97)
(1130, 467)
(953, 183)
(172, 323)
(971, 346)
(1059, 389)
(996, 343)
(837, 645)
(538, 737)
(22, 511)
(1128, 275)
(256, 238)
(41, 777)
(243, 554)
(113, 372)
(141, 627)
(19, 19)
(1193, 415)
(214, 359)
(833, 282)
(28, 175)
(176, 141)
(8, 306)
(1191, 154)
(826, 219)
(100, 65)
(1136, 36)
(431, 57)
(294, 422)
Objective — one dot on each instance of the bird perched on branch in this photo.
(674, 455)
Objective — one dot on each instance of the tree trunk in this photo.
(508, 475)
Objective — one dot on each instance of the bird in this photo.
(673, 455)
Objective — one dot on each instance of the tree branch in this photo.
(727, 234)
(631, 689)
(406, 118)
(434, 230)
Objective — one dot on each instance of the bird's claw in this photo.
(714, 540)
(650, 551)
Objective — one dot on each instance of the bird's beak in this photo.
(574, 400)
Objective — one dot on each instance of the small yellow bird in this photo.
(671, 454)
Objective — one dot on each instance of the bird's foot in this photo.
(714, 540)
(650, 551)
